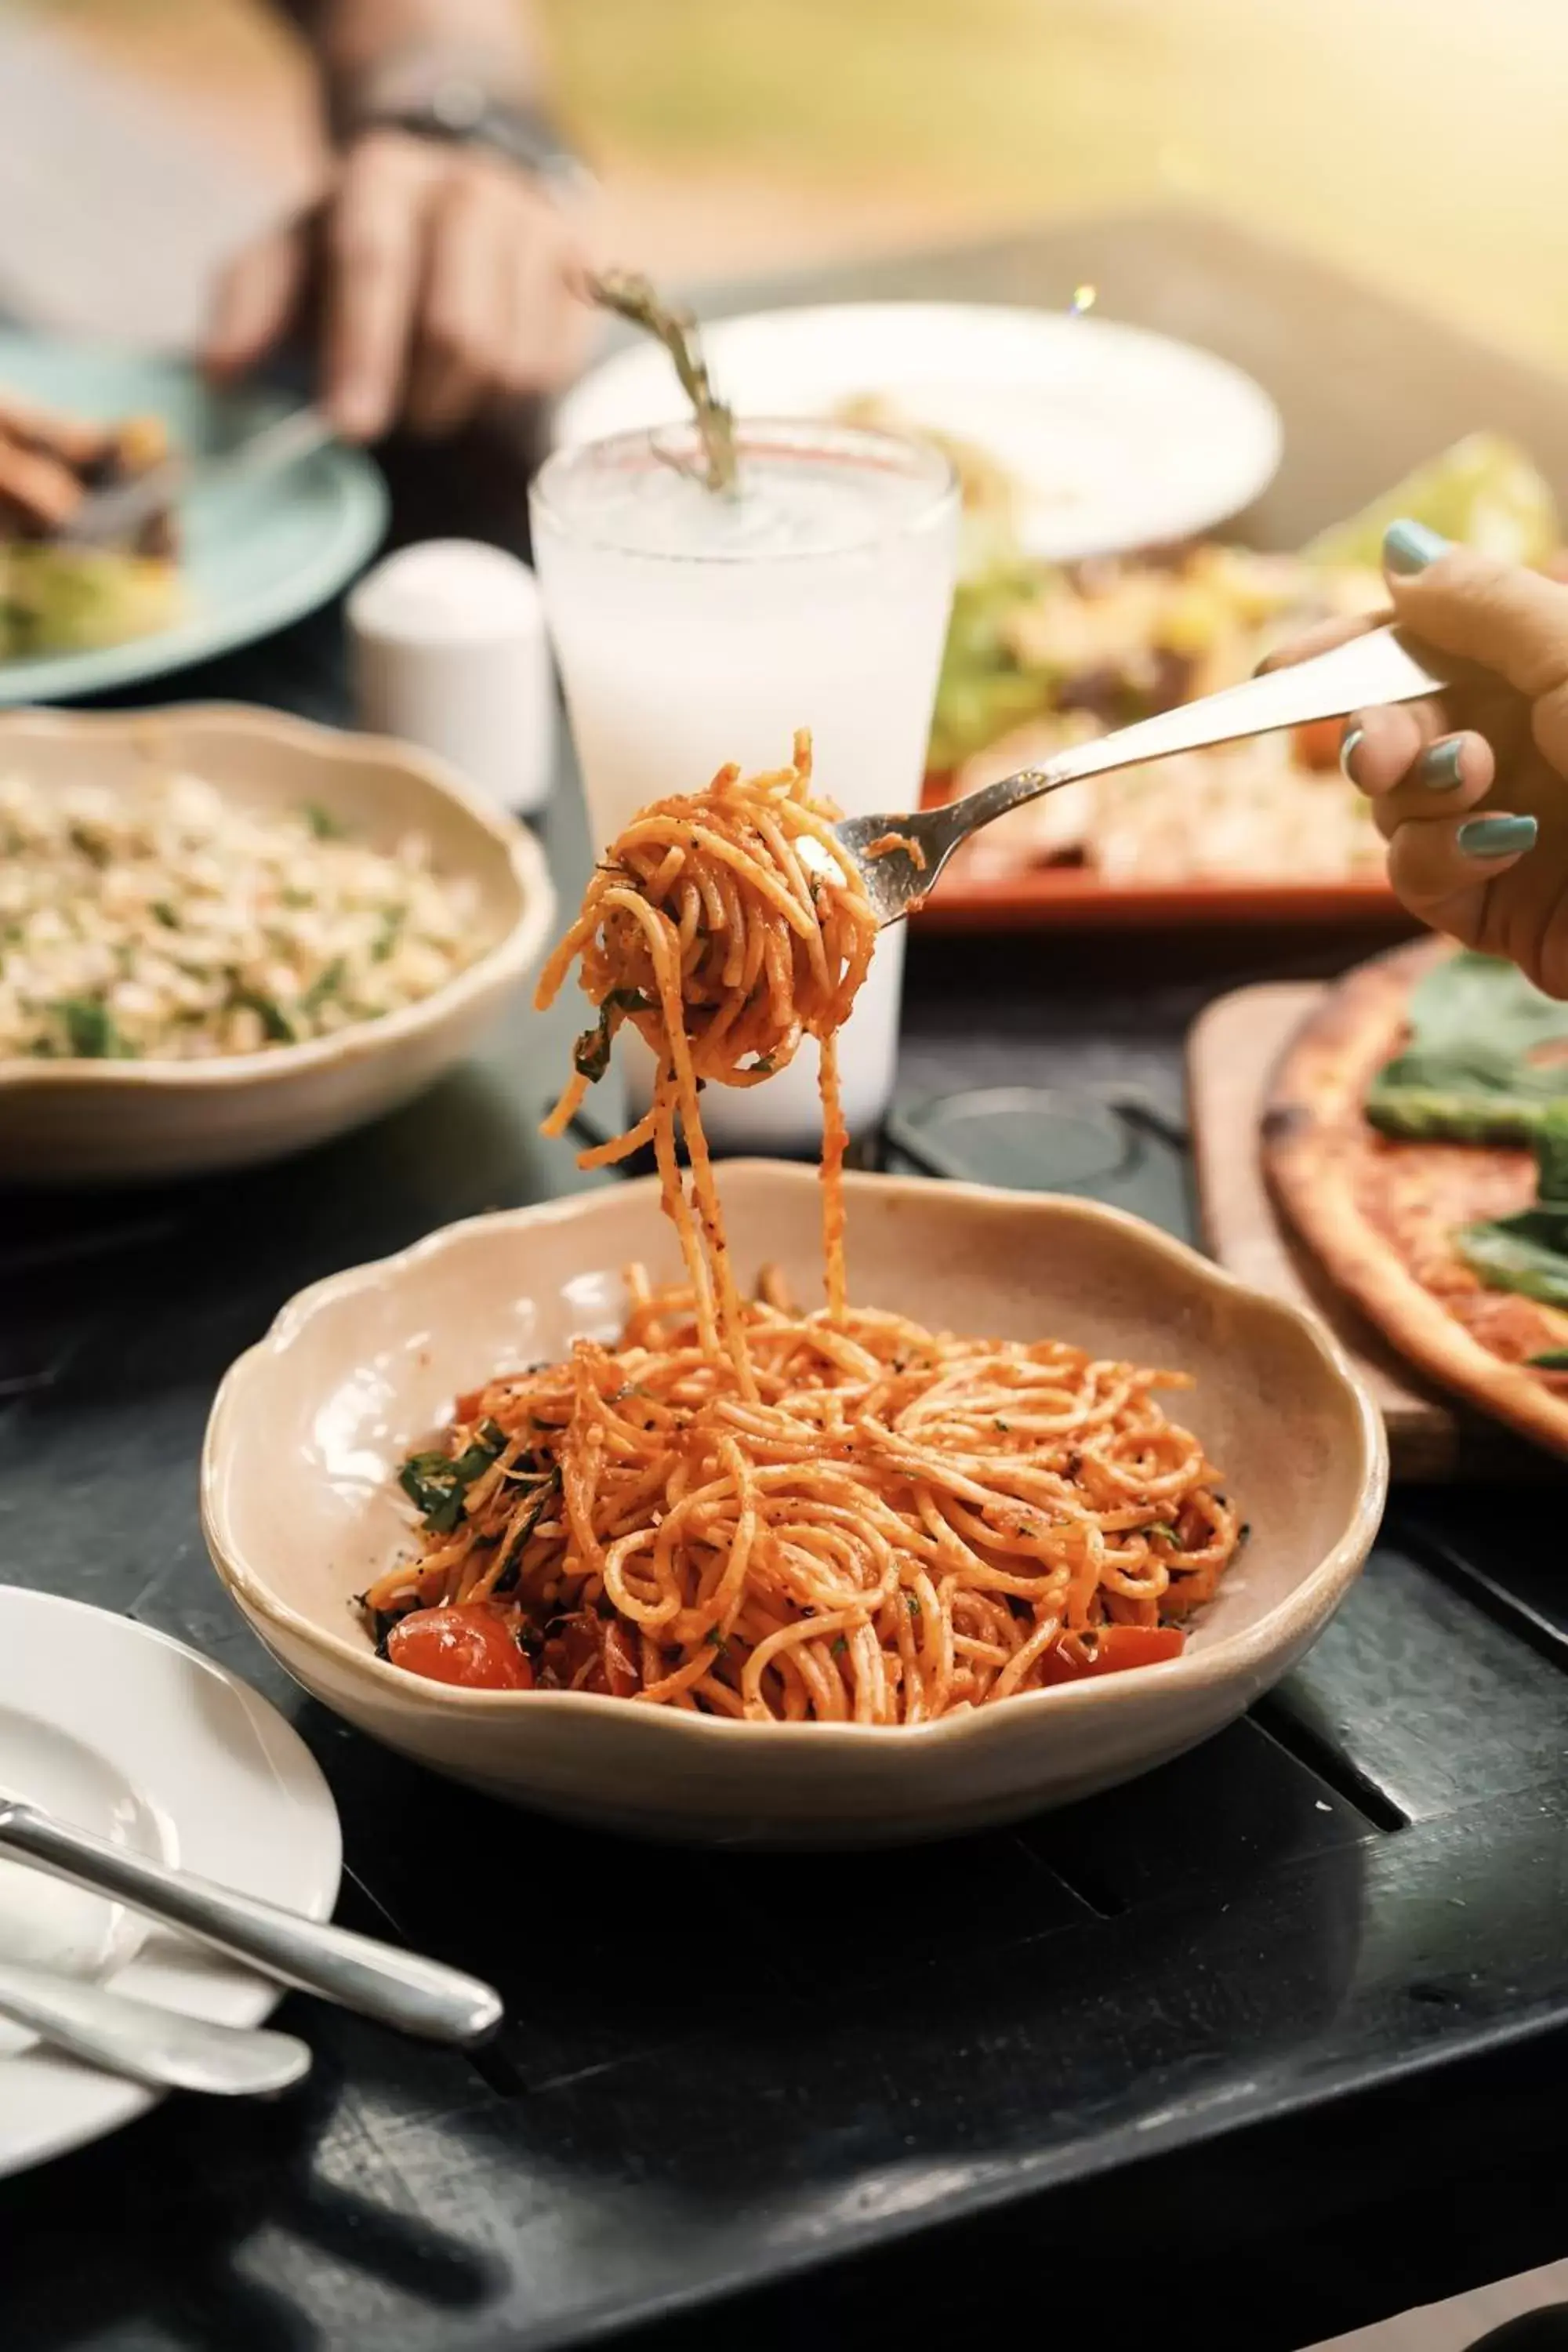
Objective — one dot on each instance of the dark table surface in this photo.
(1272, 2042)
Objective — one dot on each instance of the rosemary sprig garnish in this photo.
(632, 297)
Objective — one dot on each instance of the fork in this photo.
(108, 517)
(1385, 665)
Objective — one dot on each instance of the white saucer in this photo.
(1117, 438)
(134, 1737)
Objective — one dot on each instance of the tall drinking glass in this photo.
(692, 629)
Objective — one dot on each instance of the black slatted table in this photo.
(1269, 2044)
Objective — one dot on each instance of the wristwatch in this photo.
(467, 103)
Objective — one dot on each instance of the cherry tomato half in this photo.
(1110, 1650)
(469, 1643)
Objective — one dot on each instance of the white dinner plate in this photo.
(1117, 439)
(134, 1737)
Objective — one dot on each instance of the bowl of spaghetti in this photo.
(593, 1505)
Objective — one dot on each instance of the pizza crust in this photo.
(1317, 1150)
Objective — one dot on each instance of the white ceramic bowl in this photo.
(301, 1510)
(109, 1122)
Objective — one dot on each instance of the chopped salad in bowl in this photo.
(161, 920)
(227, 934)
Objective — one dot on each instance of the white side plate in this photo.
(137, 1737)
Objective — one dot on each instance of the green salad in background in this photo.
(1119, 639)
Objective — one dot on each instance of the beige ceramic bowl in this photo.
(109, 1122)
(301, 1509)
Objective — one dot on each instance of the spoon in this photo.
(398, 1988)
(148, 2044)
(1382, 667)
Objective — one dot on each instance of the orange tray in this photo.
(1074, 897)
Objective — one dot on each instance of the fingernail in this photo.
(1355, 738)
(1438, 767)
(1410, 547)
(1497, 836)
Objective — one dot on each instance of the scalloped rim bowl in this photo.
(300, 1506)
(102, 1122)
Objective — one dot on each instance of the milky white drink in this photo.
(694, 629)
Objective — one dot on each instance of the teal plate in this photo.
(256, 553)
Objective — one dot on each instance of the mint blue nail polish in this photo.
(1410, 547)
(1438, 766)
(1497, 836)
(1355, 738)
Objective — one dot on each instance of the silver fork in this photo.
(1385, 665)
(107, 517)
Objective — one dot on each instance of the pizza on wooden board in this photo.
(1417, 1138)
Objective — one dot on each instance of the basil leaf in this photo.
(1475, 1069)
(427, 1479)
(436, 1483)
(326, 985)
(591, 1054)
(1527, 1253)
(507, 1574)
(386, 937)
(381, 1622)
(90, 1030)
(275, 1022)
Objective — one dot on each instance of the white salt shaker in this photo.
(449, 652)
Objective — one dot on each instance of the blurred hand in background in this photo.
(445, 266)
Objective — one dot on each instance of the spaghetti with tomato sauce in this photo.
(759, 1511)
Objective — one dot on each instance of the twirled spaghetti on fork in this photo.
(753, 1510)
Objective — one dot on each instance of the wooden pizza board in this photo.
(1231, 1056)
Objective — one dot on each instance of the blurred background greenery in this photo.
(1418, 142)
